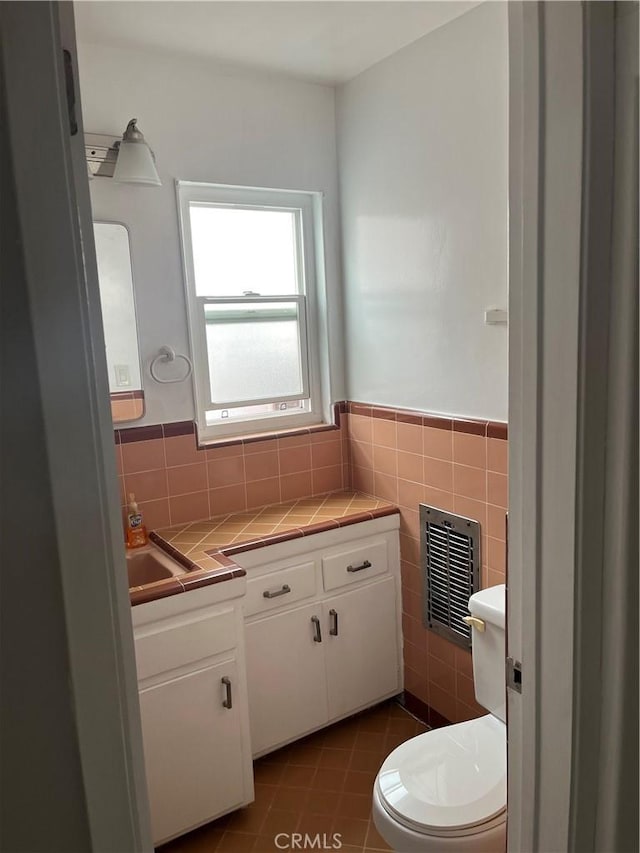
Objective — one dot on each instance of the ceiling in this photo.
(325, 42)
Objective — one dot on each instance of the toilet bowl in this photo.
(446, 790)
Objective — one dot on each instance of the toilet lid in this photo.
(449, 778)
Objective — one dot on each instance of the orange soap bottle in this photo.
(136, 531)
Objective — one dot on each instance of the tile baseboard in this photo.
(425, 713)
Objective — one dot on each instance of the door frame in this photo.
(54, 210)
(546, 132)
(565, 437)
(545, 197)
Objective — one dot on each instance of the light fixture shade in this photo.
(135, 164)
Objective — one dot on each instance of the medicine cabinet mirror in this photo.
(119, 320)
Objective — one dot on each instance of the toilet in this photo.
(446, 790)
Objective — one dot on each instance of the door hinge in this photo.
(514, 675)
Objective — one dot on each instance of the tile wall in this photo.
(404, 457)
(455, 465)
(174, 481)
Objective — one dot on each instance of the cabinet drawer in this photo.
(165, 648)
(356, 562)
(276, 589)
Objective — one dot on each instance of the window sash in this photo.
(299, 300)
(308, 205)
(299, 214)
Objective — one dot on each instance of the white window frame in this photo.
(306, 206)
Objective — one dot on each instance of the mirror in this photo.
(119, 320)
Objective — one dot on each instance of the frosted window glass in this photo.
(256, 355)
(235, 250)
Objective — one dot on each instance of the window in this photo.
(252, 298)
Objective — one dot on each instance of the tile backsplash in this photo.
(405, 457)
(176, 481)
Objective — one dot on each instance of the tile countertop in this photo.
(206, 548)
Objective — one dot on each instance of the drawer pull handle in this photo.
(333, 628)
(365, 565)
(317, 631)
(269, 594)
(228, 702)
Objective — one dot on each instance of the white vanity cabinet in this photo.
(323, 629)
(362, 652)
(286, 677)
(193, 705)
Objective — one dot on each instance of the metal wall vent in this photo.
(450, 547)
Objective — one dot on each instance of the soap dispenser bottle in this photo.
(136, 531)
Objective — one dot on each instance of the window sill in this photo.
(250, 438)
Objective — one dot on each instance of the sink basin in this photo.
(148, 565)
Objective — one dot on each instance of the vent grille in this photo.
(451, 564)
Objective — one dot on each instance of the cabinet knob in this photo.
(228, 702)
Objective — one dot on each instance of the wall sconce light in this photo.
(128, 160)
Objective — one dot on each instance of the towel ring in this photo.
(167, 354)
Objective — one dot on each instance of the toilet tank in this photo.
(488, 649)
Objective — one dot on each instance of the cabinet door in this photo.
(362, 659)
(192, 749)
(285, 676)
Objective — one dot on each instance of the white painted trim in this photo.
(605, 734)
(592, 451)
(560, 251)
(311, 281)
(523, 415)
(60, 267)
(546, 55)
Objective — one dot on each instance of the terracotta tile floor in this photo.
(321, 784)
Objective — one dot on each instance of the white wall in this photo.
(422, 141)
(205, 123)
